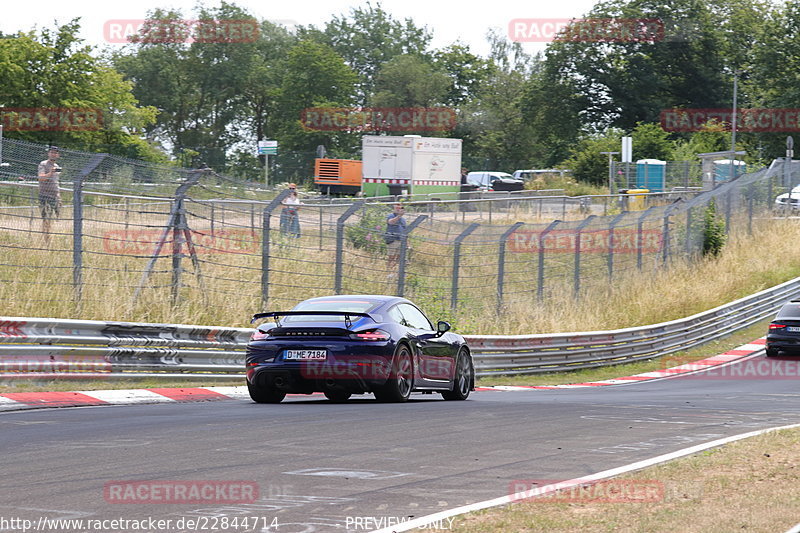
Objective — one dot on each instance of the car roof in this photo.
(375, 298)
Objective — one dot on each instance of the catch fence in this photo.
(133, 237)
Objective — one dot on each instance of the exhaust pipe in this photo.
(278, 381)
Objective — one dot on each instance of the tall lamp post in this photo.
(610, 171)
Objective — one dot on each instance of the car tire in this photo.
(463, 379)
(772, 352)
(265, 394)
(337, 396)
(401, 380)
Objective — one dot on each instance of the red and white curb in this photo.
(14, 401)
(732, 355)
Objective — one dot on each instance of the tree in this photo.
(367, 39)
(315, 76)
(467, 72)
(650, 141)
(408, 81)
(586, 161)
(55, 70)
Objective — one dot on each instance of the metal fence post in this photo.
(640, 237)
(401, 273)
(77, 225)
(728, 200)
(750, 194)
(540, 280)
(265, 244)
(177, 251)
(501, 261)
(614, 222)
(667, 214)
(337, 282)
(577, 272)
(456, 262)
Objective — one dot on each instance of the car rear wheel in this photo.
(337, 396)
(772, 352)
(462, 381)
(261, 394)
(398, 386)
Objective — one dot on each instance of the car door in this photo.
(436, 354)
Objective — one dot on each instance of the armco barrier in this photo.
(46, 348)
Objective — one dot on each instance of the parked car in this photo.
(357, 344)
(783, 334)
(783, 200)
(494, 181)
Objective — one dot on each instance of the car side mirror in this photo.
(442, 327)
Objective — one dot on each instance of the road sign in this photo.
(267, 147)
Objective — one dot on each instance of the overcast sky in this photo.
(449, 21)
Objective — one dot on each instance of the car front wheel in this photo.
(265, 394)
(398, 386)
(462, 381)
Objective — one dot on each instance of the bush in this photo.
(367, 234)
(713, 231)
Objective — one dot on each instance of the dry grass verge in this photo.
(749, 485)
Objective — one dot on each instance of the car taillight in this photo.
(373, 335)
(777, 326)
(258, 335)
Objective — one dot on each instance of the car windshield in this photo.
(790, 311)
(352, 306)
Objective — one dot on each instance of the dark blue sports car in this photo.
(345, 345)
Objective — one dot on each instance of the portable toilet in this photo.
(722, 169)
(650, 174)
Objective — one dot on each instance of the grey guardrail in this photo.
(44, 348)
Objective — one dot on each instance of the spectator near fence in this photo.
(393, 236)
(49, 173)
(290, 222)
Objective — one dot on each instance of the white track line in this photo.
(505, 500)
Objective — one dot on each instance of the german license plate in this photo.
(793, 329)
(305, 355)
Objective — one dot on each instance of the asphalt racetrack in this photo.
(321, 466)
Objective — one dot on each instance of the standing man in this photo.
(49, 195)
(394, 235)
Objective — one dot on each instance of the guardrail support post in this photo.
(456, 262)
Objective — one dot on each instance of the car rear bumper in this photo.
(303, 377)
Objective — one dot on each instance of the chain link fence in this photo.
(133, 236)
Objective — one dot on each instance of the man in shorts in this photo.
(49, 195)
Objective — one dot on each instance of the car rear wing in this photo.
(346, 314)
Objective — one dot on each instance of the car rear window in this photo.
(790, 311)
(353, 306)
